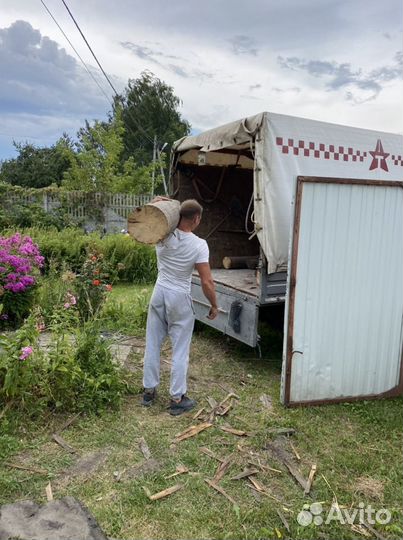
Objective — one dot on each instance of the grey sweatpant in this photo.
(170, 313)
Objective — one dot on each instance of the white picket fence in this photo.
(114, 208)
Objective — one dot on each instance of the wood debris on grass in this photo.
(283, 519)
(163, 493)
(220, 490)
(245, 474)
(373, 531)
(212, 402)
(199, 412)
(261, 489)
(49, 492)
(295, 451)
(222, 469)
(61, 442)
(310, 479)
(192, 431)
(144, 448)
(225, 410)
(24, 468)
(237, 432)
(180, 469)
(360, 530)
(264, 467)
(68, 422)
(210, 453)
(281, 455)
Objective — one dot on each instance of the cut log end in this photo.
(153, 222)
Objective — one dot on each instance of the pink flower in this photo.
(66, 305)
(72, 299)
(25, 352)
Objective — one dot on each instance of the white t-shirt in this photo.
(176, 258)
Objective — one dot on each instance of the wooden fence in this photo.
(95, 210)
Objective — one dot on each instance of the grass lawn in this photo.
(356, 447)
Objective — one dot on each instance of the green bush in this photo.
(131, 261)
(75, 372)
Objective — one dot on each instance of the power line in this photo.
(78, 55)
(88, 45)
(139, 127)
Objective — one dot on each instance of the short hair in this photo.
(190, 208)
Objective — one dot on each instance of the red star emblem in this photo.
(379, 157)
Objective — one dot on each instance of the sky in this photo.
(337, 61)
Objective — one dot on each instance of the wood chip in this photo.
(212, 402)
(245, 474)
(295, 451)
(192, 431)
(49, 492)
(210, 453)
(236, 432)
(60, 441)
(264, 467)
(23, 468)
(220, 490)
(283, 519)
(199, 412)
(180, 469)
(227, 397)
(261, 489)
(225, 410)
(222, 469)
(374, 531)
(144, 448)
(165, 492)
(279, 453)
(266, 400)
(68, 422)
(360, 530)
(310, 479)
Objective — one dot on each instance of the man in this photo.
(171, 309)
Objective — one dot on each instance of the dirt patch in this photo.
(371, 488)
(83, 467)
(148, 466)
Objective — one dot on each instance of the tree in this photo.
(98, 164)
(150, 108)
(37, 167)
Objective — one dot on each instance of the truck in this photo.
(245, 175)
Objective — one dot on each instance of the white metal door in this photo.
(344, 308)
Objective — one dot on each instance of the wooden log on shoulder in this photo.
(153, 222)
(240, 262)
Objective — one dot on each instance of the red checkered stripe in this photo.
(397, 160)
(320, 150)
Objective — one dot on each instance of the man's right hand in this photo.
(213, 312)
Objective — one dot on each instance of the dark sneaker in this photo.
(148, 397)
(184, 405)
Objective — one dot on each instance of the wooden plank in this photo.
(211, 454)
(24, 468)
(144, 448)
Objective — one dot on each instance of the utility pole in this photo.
(162, 169)
(154, 160)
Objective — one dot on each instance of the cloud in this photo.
(243, 45)
(157, 57)
(39, 77)
(254, 87)
(339, 76)
(146, 53)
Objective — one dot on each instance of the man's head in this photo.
(190, 213)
